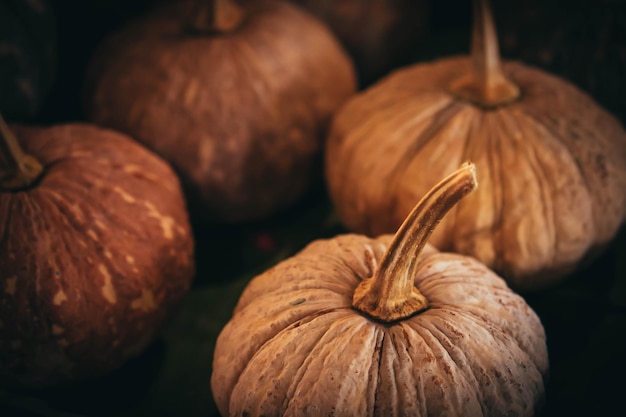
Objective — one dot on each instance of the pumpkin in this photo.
(553, 162)
(28, 55)
(237, 97)
(360, 326)
(96, 251)
(378, 34)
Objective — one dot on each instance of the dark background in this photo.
(585, 317)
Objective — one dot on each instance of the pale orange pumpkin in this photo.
(553, 162)
(357, 326)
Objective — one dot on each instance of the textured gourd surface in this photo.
(94, 256)
(296, 347)
(241, 115)
(551, 168)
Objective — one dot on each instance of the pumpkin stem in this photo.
(486, 84)
(215, 16)
(391, 294)
(17, 169)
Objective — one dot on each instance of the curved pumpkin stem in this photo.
(215, 16)
(390, 294)
(486, 84)
(18, 170)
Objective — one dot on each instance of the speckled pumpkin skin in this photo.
(242, 116)
(296, 347)
(552, 168)
(93, 258)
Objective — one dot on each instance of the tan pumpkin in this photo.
(96, 251)
(553, 163)
(357, 326)
(237, 97)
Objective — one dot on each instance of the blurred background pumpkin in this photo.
(236, 95)
(378, 34)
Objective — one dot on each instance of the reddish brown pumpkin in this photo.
(95, 251)
(553, 162)
(356, 326)
(237, 98)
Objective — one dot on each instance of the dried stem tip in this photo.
(390, 294)
(486, 84)
(18, 170)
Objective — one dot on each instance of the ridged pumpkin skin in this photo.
(552, 166)
(241, 115)
(296, 347)
(94, 257)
